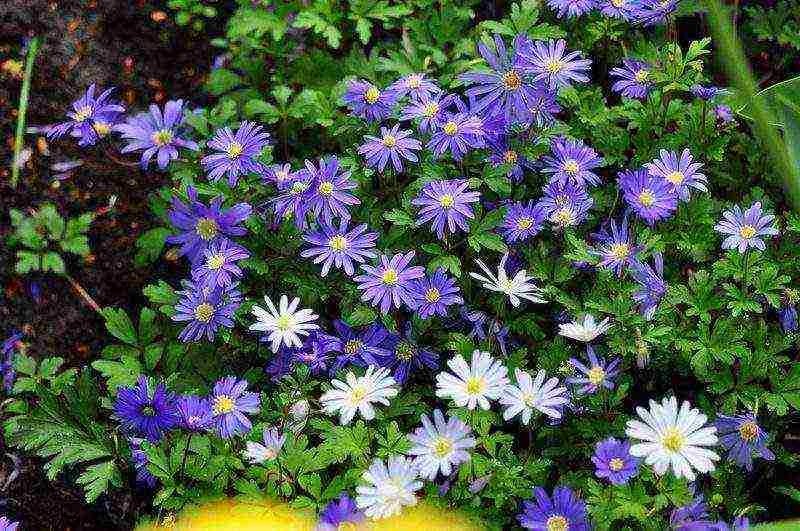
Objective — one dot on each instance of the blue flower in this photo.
(405, 355)
(229, 403)
(614, 462)
(652, 198)
(205, 310)
(367, 101)
(361, 348)
(91, 117)
(146, 412)
(156, 134)
(564, 511)
(434, 294)
(741, 436)
(236, 153)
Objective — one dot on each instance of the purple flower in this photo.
(279, 175)
(393, 145)
(340, 514)
(229, 403)
(145, 413)
(622, 9)
(200, 225)
(9, 352)
(788, 310)
(361, 348)
(295, 200)
(405, 355)
(563, 512)
(447, 204)
(433, 294)
(618, 248)
(571, 8)
(218, 267)
(614, 462)
(706, 93)
(91, 117)
(328, 196)
(596, 375)
(566, 205)
(282, 364)
(654, 12)
(195, 413)
(741, 436)
(691, 517)
(652, 198)
(723, 114)
(156, 134)
(651, 281)
(236, 153)
(745, 229)
(366, 101)
(523, 221)
(633, 79)
(572, 160)
(340, 247)
(478, 321)
(415, 86)
(502, 153)
(140, 462)
(682, 173)
(316, 352)
(390, 283)
(548, 63)
(506, 89)
(458, 133)
(429, 110)
(205, 309)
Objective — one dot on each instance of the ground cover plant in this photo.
(524, 260)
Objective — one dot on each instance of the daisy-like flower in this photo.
(317, 352)
(218, 267)
(415, 86)
(440, 446)
(617, 249)
(285, 324)
(613, 461)
(433, 294)
(523, 221)
(549, 63)
(706, 93)
(673, 438)
(390, 486)
(200, 224)
(145, 411)
(329, 195)
(366, 101)
(681, 172)
(533, 394)
(257, 453)
(572, 160)
(651, 282)
(457, 133)
(518, 287)
(359, 393)
(195, 413)
(484, 379)
(622, 9)
(90, 119)
(654, 12)
(745, 229)
(340, 247)
(236, 153)
(156, 134)
(741, 436)
(279, 175)
(652, 198)
(502, 153)
(566, 204)
(447, 204)
(585, 329)
(405, 355)
(8, 525)
(230, 400)
(563, 512)
(632, 78)
(295, 200)
(339, 515)
(571, 8)
(723, 114)
(389, 284)
(394, 144)
(596, 374)
(693, 517)
(205, 309)
(361, 348)
(429, 110)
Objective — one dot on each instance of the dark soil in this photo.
(112, 43)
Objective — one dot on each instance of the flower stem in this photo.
(33, 49)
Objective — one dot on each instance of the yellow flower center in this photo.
(338, 243)
(618, 3)
(447, 200)
(414, 81)
(352, 346)
(675, 177)
(792, 295)
(642, 75)
(646, 198)
(748, 431)
(673, 440)
(215, 262)
(206, 228)
(389, 141)
(432, 295)
(571, 167)
(325, 188)
(557, 523)
(450, 128)
(475, 385)
(524, 223)
(284, 322)
(222, 404)
(512, 80)
(203, 312)
(347, 526)
(620, 250)
(372, 95)
(162, 138)
(389, 277)
(562, 217)
(299, 187)
(616, 464)
(442, 447)
(555, 66)
(83, 114)
(747, 231)
(234, 150)
(281, 175)
(101, 128)
(431, 109)
(510, 157)
(529, 399)
(358, 393)
(405, 351)
(596, 375)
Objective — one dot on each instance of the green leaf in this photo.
(120, 325)
(399, 218)
(52, 262)
(123, 373)
(27, 262)
(266, 112)
(312, 20)
(221, 81)
(312, 484)
(96, 479)
(147, 328)
(149, 246)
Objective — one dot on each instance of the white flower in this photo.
(674, 438)
(585, 330)
(391, 486)
(258, 453)
(358, 394)
(298, 416)
(485, 379)
(284, 324)
(518, 287)
(440, 445)
(529, 395)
